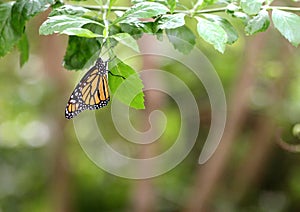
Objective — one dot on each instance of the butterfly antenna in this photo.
(103, 53)
(111, 59)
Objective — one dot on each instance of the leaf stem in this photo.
(295, 9)
(120, 8)
(195, 7)
(212, 10)
(106, 24)
(113, 8)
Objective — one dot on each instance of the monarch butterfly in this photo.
(91, 92)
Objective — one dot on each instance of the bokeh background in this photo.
(43, 168)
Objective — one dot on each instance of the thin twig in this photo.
(295, 148)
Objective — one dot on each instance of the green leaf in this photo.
(13, 16)
(69, 10)
(136, 1)
(159, 35)
(126, 40)
(232, 34)
(141, 27)
(79, 51)
(111, 3)
(58, 24)
(131, 88)
(182, 38)
(242, 16)
(133, 30)
(24, 9)
(212, 33)
(259, 23)
(23, 47)
(149, 27)
(114, 29)
(209, 2)
(231, 8)
(171, 21)
(8, 36)
(58, 3)
(142, 10)
(172, 5)
(251, 7)
(198, 5)
(80, 32)
(288, 24)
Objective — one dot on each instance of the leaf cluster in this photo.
(13, 18)
(90, 28)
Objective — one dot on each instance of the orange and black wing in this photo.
(91, 93)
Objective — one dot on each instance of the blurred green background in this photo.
(43, 168)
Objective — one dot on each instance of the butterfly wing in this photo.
(91, 93)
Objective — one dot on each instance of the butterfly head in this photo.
(99, 61)
(101, 65)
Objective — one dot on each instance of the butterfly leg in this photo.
(116, 75)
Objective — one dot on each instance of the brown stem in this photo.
(252, 168)
(52, 51)
(295, 148)
(144, 193)
(208, 175)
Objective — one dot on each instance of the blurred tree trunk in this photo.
(52, 51)
(144, 193)
(252, 168)
(209, 174)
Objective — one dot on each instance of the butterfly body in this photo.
(91, 92)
